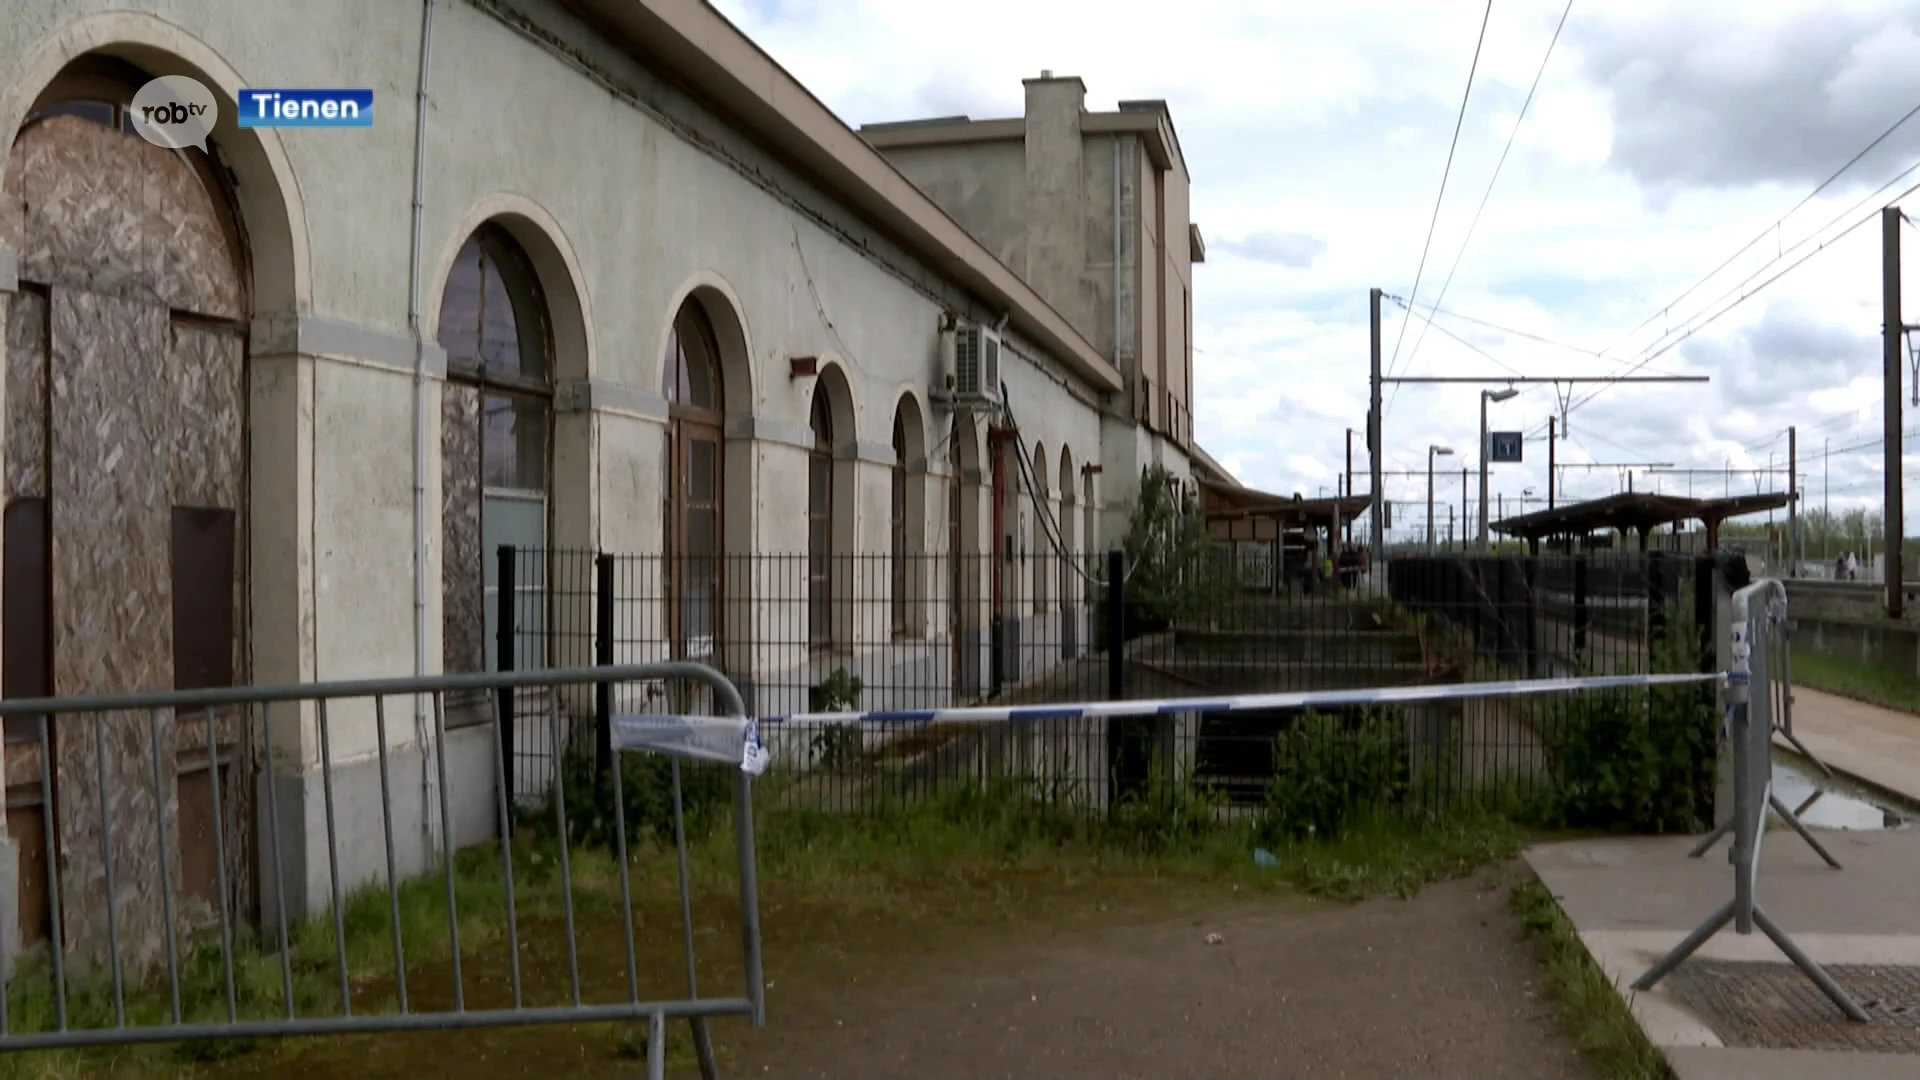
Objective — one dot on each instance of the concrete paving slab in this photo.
(1649, 883)
(1693, 1064)
(1878, 745)
(1632, 899)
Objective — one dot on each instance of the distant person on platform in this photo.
(1853, 567)
(1840, 567)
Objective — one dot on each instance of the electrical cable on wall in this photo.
(1048, 525)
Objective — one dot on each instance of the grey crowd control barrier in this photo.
(132, 952)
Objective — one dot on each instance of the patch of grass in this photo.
(1596, 1016)
(962, 862)
(1382, 856)
(1861, 681)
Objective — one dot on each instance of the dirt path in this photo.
(1050, 974)
(1439, 986)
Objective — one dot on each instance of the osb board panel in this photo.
(206, 380)
(235, 750)
(23, 764)
(112, 612)
(462, 574)
(206, 376)
(110, 213)
(26, 445)
(26, 826)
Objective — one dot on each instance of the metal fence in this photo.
(877, 634)
(365, 792)
(1598, 613)
(1757, 690)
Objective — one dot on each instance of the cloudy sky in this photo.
(1664, 138)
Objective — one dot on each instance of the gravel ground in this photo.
(1443, 985)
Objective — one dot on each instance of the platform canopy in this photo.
(1224, 505)
(1637, 512)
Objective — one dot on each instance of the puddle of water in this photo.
(1837, 808)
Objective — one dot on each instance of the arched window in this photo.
(1091, 539)
(1040, 546)
(897, 528)
(820, 500)
(127, 333)
(1069, 528)
(494, 442)
(959, 544)
(691, 485)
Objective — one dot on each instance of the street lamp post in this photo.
(1486, 396)
(1432, 452)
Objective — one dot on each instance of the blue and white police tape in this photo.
(1309, 699)
(733, 740)
(736, 740)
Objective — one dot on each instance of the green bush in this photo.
(646, 790)
(1171, 813)
(1329, 772)
(837, 748)
(1637, 761)
(1176, 571)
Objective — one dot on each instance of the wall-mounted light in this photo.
(803, 367)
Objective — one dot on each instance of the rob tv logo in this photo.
(178, 111)
(305, 108)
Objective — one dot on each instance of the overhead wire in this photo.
(1742, 297)
(1429, 310)
(1689, 330)
(1440, 199)
(1763, 233)
(1428, 320)
(1485, 196)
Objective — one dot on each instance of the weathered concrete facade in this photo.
(245, 355)
(1093, 209)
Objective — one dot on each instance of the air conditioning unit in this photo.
(976, 364)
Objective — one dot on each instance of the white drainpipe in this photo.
(416, 321)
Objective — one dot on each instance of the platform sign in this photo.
(1503, 447)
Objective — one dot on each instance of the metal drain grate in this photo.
(1773, 1006)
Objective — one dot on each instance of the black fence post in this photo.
(602, 657)
(1580, 613)
(505, 581)
(1703, 614)
(1656, 603)
(1505, 642)
(1128, 753)
(1116, 625)
(996, 654)
(1530, 610)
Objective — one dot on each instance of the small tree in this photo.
(1177, 572)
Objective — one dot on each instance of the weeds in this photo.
(1594, 1013)
(1639, 761)
(1871, 683)
(1328, 770)
(974, 853)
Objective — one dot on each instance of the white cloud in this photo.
(1329, 123)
